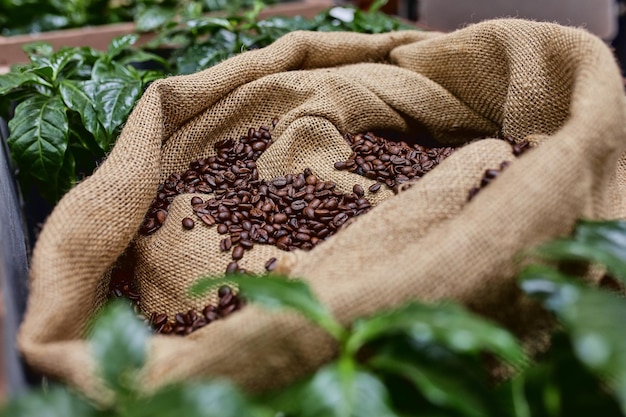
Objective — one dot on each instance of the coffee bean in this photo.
(237, 253)
(232, 267)
(271, 264)
(374, 187)
(358, 190)
(188, 223)
(298, 205)
(224, 290)
(340, 219)
(226, 244)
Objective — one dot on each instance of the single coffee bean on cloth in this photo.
(284, 159)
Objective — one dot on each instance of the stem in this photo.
(520, 404)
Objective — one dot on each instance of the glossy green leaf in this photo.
(435, 382)
(80, 97)
(39, 136)
(447, 324)
(200, 399)
(119, 343)
(210, 24)
(115, 93)
(153, 18)
(276, 292)
(603, 242)
(121, 43)
(200, 57)
(65, 60)
(340, 389)
(52, 191)
(36, 50)
(594, 319)
(13, 80)
(57, 402)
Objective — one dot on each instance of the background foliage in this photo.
(66, 107)
(31, 16)
(416, 360)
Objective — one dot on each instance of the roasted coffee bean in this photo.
(226, 244)
(358, 190)
(271, 264)
(374, 187)
(188, 223)
(232, 267)
(224, 290)
(237, 253)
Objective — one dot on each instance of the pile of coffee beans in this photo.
(294, 211)
(388, 162)
(186, 323)
(290, 212)
(488, 176)
(491, 174)
(122, 284)
(233, 168)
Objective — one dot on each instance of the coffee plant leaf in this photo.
(339, 389)
(447, 324)
(436, 383)
(593, 318)
(120, 44)
(117, 89)
(39, 137)
(79, 96)
(56, 402)
(153, 17)
(119, 342)
(602, 242)
(277, 292)
(197, 399)
(13, 80)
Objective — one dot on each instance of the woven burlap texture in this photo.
(557, 87)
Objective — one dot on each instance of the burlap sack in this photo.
(557, 87)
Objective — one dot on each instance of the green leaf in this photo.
(34, 50)
(80, 97)
(119, 342)
(447, 324)
(153, 18)
(199, 57)
(200, 399)
(277, 292)
(39, 136)
(340, 389)
(57, 402)
(13, 80)
(119, 44)
(441, 387)
(210, 24)
(603, 242)
(115, 93)
(594, 319)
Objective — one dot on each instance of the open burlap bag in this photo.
(557, 87)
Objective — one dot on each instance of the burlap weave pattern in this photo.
(557, 87)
